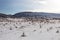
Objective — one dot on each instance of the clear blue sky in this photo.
(14, 6)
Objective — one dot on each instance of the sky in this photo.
(15, 6)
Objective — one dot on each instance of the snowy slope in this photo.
(29, 30)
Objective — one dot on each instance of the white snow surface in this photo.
(32, 30)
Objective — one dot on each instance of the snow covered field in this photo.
(21, 29)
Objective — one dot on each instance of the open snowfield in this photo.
(20, 29)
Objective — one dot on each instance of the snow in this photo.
(32, 30)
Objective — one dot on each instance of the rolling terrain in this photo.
(23, 27)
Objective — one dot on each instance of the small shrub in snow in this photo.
(29, 23)
(40, 26)
(57, 31)
(3, 24)
(10, 28)
(49, 28)
(34, 30)
(16, 23)
(23, 35)
(6, 23)
(22, 27)
(16, 27)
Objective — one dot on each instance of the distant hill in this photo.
(32, 14)
(3, 15)
(37, 15)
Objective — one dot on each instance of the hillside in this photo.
(43, 15)
(30, 26)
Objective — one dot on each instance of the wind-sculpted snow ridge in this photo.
(29, 29)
